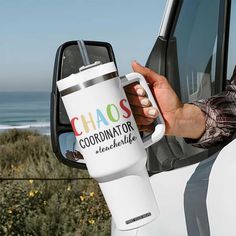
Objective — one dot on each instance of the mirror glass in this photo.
(68, 147)
(68, 61)
(72, 61)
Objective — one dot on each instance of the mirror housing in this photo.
(68, 60)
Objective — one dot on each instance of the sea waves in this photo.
(41, 127)
(25, 110)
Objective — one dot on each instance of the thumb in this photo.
(151, 76)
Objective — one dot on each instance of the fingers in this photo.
(147, 112)
(140, 104)
(144, 117)
(143, 112)
(146, 128)
(138, 101)
(143, 121)
(136, 95)
(135, 89)
(151, 76)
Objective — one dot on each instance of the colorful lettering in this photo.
(125, 108)
(86, 122)
(101, 118)
(112, 114)
(111, 108)
(74, 128)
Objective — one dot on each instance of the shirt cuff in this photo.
(207, 138)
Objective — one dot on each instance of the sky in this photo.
(32, 30)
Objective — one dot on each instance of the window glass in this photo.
(72, 61)
(196, 42)
(232, 40)
(196, 38)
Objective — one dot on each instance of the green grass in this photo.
(35, 207)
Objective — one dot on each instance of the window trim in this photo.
(222, 46)
(171, 10)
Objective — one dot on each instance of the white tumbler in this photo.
(109, 140)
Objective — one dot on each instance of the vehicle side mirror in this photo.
(68, 61)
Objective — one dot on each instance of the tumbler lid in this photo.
(85, 77)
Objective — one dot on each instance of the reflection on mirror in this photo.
(68, 147)
(72, 61)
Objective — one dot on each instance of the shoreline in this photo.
(44, 131)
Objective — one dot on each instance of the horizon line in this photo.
(23, 91)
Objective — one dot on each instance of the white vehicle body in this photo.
(203, 192)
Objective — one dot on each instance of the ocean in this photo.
(25, 110)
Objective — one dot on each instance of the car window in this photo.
(232, 40)
(193, 45)
(196, 45)
(196, 40)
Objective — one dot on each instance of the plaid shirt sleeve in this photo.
(220, 115)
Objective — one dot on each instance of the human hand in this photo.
(184, 120)
(144, 113)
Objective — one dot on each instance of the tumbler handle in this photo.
(159, 121)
